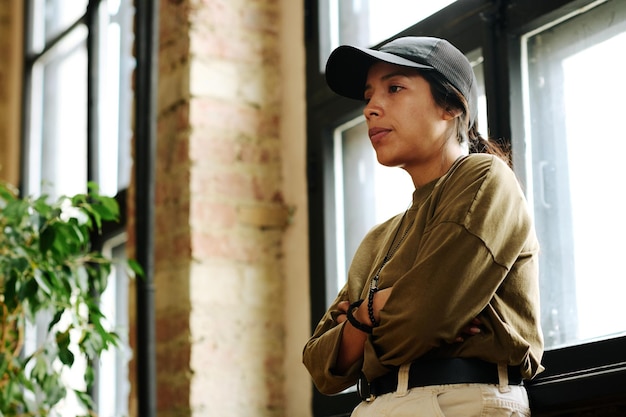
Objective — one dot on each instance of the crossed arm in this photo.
(353, 340)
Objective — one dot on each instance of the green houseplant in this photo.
(48, 268)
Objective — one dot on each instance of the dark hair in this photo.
(450, 98)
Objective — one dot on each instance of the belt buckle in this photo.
(364, 390)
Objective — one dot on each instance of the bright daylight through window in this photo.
(368, 22)
(575, 146)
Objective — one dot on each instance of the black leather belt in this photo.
(439, 372)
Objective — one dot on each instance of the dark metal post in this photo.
(146, 74)
(496, 81)
(93, 93)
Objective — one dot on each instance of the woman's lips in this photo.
(377, 133)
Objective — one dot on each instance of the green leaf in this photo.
(85, 399)
(53, 389)
(42, 207)
(46, 239)
(99, 275)
(53, 280)
(90, 377)
(66, 356)
(63, 343)
(29, 290)
(4, 364)
(108, 208)
(91, 344)
(80, 234)
(40, 370)
(16, 209)
(10, 295)
(63, 339)
(55, 319)
(135, 267)
(7, 191)
(42, 283)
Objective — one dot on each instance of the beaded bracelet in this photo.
(370, 305)
(354, 322)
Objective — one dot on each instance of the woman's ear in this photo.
(450, 113)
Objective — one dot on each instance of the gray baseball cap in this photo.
(347, 66)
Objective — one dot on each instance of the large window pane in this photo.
(116, 67)
(58, 142)
(575, 148)
(368, 22)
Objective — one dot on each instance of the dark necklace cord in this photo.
(374, 282)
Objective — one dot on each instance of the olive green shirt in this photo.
(466, 248)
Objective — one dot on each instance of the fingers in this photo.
(343, 310)
(343, 306)
(473, 328)
(471, 331)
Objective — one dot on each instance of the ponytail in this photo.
(478, 144)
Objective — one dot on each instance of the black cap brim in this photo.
(347, 67)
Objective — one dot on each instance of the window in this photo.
(78, 99)
(77, 128)
(550, 77)
(571, 69)
(58, 122)
(368, 22)
(113, 387)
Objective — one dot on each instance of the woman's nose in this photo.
(372, 108)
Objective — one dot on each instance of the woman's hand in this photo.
(352, 340)
(361, 313)
(473, 328)
(343, 311)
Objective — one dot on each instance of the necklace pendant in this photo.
(374, 283)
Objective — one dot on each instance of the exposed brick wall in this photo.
(221, 213)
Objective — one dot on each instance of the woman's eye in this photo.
(394, 88)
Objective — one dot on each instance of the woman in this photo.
(465, 250)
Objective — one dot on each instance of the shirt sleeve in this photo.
(321, 351)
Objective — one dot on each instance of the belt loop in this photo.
(503, 378)
(403, 380)
(364, 389)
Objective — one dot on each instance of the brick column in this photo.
(221, 214)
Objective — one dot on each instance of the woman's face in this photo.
(406, 127)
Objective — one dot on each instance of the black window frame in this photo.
(588, 375)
